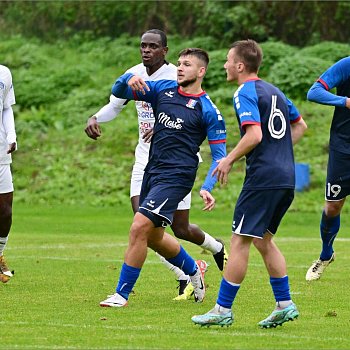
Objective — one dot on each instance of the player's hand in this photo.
(208, 200)
(93, 129)
(347, 103)
(138, 84)
(12, 147)
(147, 135)
(222, 170)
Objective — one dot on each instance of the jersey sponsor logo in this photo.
(146, 106)
(167, 122)
(170, 93)
(191, 103)
(245, 114)
(145, 114)
(220, 131)
(214, 106)
(277, 128)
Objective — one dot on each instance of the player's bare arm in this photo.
(93, 129)
(298, 130)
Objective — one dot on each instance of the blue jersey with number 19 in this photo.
(271, 163)
(182, 123)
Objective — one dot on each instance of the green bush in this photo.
(274, 52)
(294, 75)
(328, 50)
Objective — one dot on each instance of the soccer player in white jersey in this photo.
(8, 144)
(154, 67)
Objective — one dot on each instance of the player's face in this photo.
(232, 66)
(152, 51)
(189, 70)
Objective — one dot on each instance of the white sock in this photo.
(180, 275)
(218, 309)
(3, 241)
(211, 244)
(283, 304)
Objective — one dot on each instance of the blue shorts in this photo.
(338, 176)
(160, 196)
(259, 211)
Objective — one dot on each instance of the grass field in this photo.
(67, 259)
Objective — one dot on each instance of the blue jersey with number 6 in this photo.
(271, 163)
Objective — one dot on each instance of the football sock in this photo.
(185, 262)
(227, 294)
(3, 241)
(180, 275)
(280, 288)
(211, 244)
(127, 279)
(329, 228)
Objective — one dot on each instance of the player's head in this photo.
(191, 66)
(244, 56)
(153, 48)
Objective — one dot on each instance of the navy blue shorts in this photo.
(259, 211)
(160, 196)
(338, 176)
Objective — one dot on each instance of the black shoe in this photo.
(221, 257)
(182, 286)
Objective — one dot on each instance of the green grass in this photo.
(67, 259)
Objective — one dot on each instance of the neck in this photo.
(192, 89)
(151, 70)
(246, 76)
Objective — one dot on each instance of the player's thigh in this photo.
(259, 211)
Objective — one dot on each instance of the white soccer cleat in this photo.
(197, 281)
(316, 269)
(115, 300)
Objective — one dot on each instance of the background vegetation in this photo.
(65, 57)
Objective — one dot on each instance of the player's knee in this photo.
(333, 208)
(180, 230)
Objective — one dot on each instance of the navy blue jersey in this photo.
(337, 76)
(271, 163)
(182, 123)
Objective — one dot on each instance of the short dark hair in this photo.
(250, 53)
(163, 38)
(199, 53)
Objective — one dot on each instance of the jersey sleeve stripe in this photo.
(295, 120)
(135, 96)
(250, 123)
(212, 142)
(323, 83)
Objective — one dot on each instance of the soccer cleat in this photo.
(115, 300)
(278, 317)
(221, 257)
(185, 290)
(316, 269)
(213, 319)
(197, 281)
(5, 273)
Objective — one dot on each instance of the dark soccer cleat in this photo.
(221, 257)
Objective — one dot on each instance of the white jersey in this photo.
(144, 109)
(7, 99)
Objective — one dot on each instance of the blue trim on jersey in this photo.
(332, 77)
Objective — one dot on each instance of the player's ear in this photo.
(202, 71)
(165, 50)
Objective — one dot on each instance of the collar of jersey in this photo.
(193, 95)
(252, 79)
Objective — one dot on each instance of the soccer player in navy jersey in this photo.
(153, 49)
(184, 117)
(269, 124)
(338, 171)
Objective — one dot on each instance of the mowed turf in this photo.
(67, 259)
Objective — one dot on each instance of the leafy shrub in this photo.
(294, 75)
(328, 50)
(273, 52)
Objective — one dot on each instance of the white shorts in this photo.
(136, 182)
(6, 184)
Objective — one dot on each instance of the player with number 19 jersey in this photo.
(270, 164)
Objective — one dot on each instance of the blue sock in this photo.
(185, 262)
(227, 294)
(280, 288)
(329, 228)
(127, 279)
